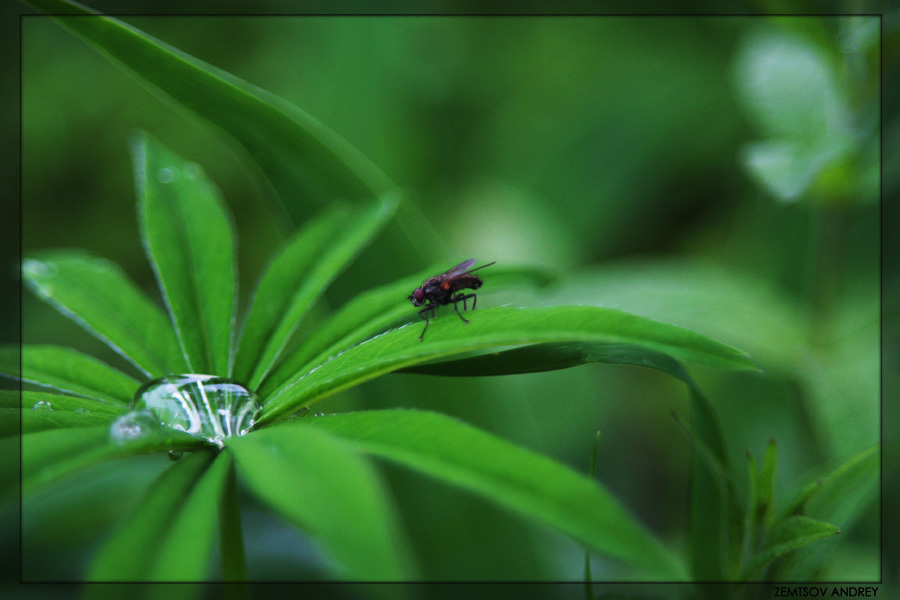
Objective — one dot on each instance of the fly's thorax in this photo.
(437, 294)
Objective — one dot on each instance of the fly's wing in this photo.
(460, 268)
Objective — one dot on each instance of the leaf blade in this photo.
(343, 500)
(189, 240)
(134, 552)
(526, 482)
(296, 292)
(98, 296)
(70, 403)
(52, 454)
(283, 139)
(788, 536)
(493, 328)
(67, 412)
(835, 497)
(186, 545)
(374, 311)
(67, 370)
(277, 285)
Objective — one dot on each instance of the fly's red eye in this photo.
(419, 295)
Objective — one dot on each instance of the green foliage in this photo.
(273, 461)
(816, 143)
(524, 481)
(68, 370)
(281, 138)
(371, 312)
(172, 530)
(298, 276)
(101, 299)
(189, 241)
(292, 350)
(324, 487)
(494, 328)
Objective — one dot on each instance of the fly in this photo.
(440, 290)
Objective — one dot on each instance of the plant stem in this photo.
(234, 563)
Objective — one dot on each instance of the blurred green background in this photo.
(717, 173)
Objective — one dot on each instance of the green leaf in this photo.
(315, 481)
(711, 484)
(790, 86)
(231, 539)
(788, 536)
(840, 495)
(762, 500)
(787, 168)
(717, 514)
(494, 328)
(171, 534)
(766, 486)
(190, 243)
(41, 411)
(52, 454)
(58, 411)
(841, 374)
(64, 402)
(725, 304)
(96, 294)
(67, 370)
(292, 148)
(539, 358)
(516, 478)
(373, 311)
(188, 538)
(298, 276)
(755, 528)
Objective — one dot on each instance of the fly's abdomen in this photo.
(466, 282)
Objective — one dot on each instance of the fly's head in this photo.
(417, 297)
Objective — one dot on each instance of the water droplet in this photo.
(81, 411)
(133, 425)
(42, 406)
(37, 268)
(103, 264)
(300, 413)
(206, 406)
(193, 171)
(167, 174)
(175, 454)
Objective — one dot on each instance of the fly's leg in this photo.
(424, 315)
(463, 298)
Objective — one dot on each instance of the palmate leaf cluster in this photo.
(315, 471)
(182, 218)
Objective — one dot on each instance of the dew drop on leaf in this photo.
(175, 454)
(300, 413)
(209, 407)
(39, 269)
(134, 425)
(167, 174)
(81, 411)
(42, 406)
(193, 171)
